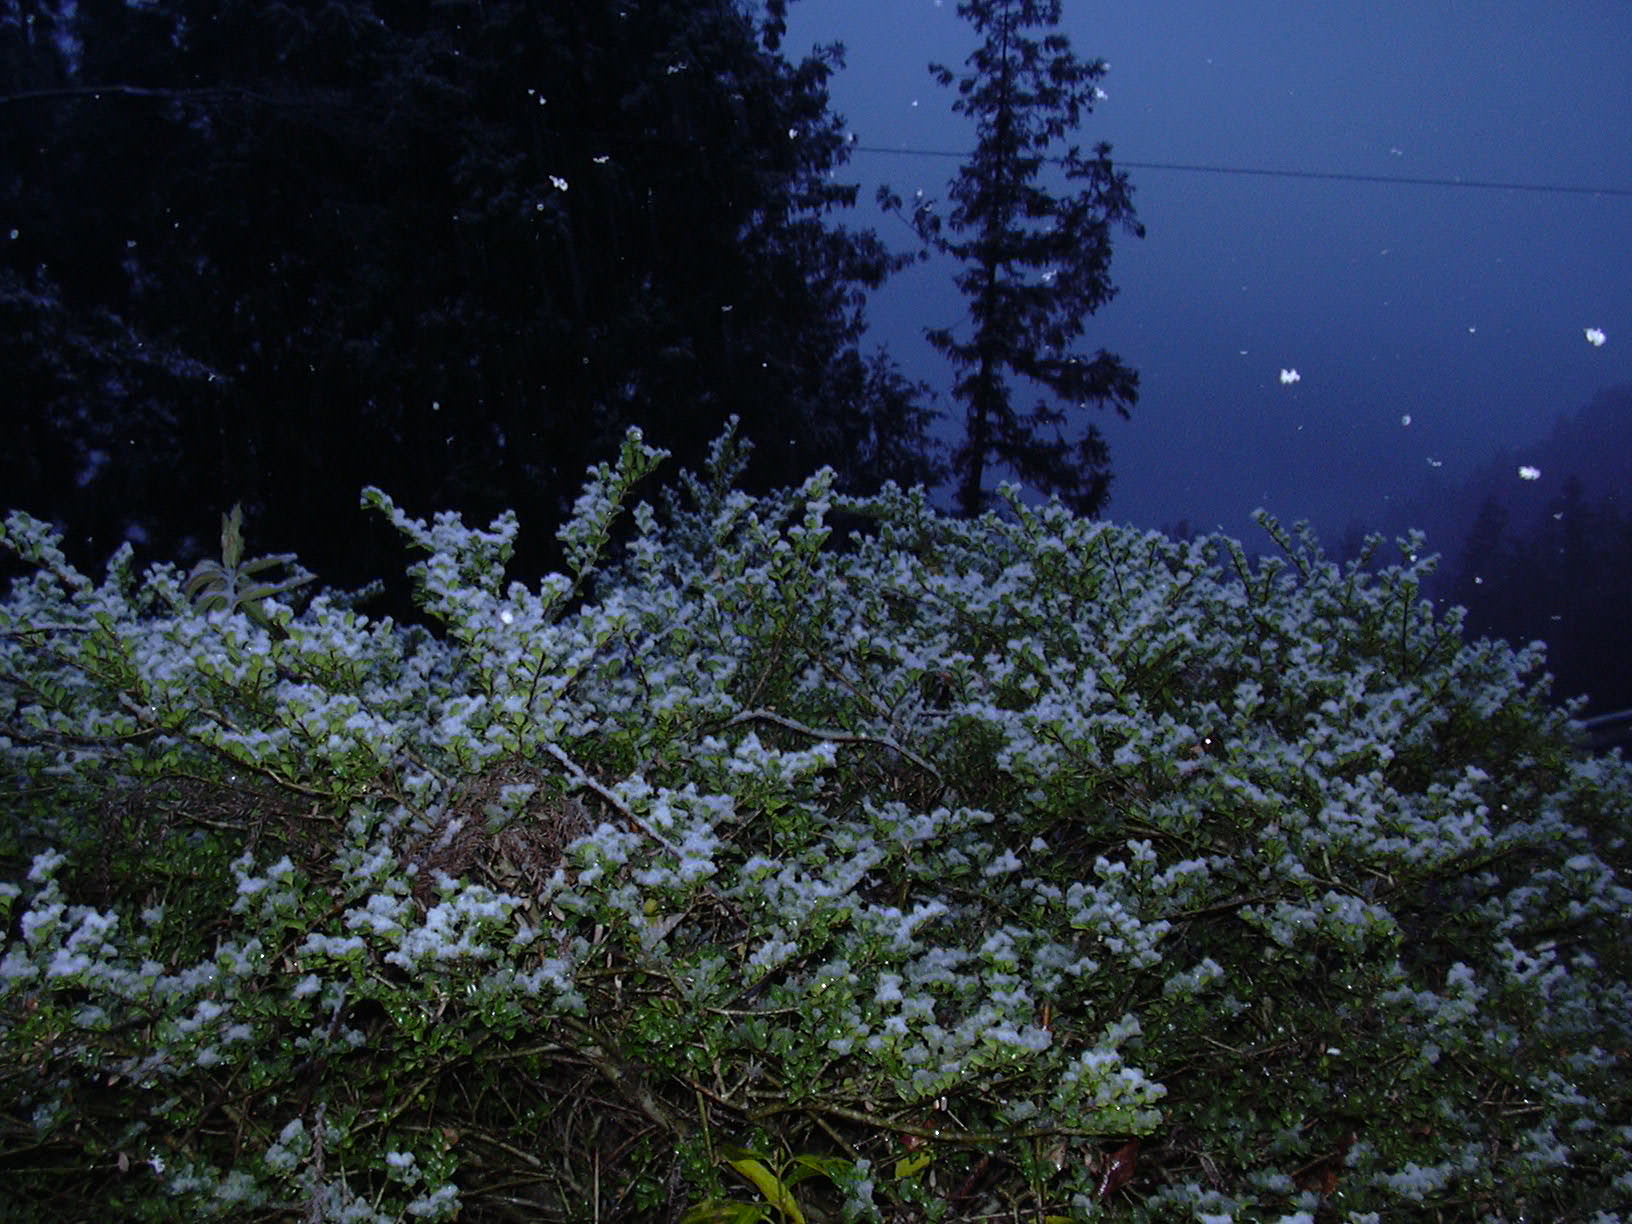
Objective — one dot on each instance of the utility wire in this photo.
(1194, 168)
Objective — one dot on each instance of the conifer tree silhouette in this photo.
(1035, 264)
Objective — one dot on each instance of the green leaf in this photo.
(751, 1165)
(232, 537)
(911, 1166)
(724, 1213)
(204, 575)
(831, 1167)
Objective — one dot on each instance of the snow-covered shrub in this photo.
(1027, 865)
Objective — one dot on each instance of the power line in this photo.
(1196, 168)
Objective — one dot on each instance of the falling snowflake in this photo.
(1290, 376)
(559, 183)
(602, 159)
(1595, 336)
(1527, 472)
(1406, 419)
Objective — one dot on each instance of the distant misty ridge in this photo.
(1536, 544)
(1593, 445)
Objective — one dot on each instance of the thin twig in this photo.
(580, 776)
(837, 737)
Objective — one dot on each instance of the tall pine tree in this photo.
(1034, 264)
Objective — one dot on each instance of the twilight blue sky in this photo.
(1460, 308)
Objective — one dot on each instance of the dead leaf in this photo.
(1119, 1169)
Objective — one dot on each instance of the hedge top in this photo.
(1027, 861)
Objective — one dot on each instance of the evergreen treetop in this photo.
(1034, 261)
